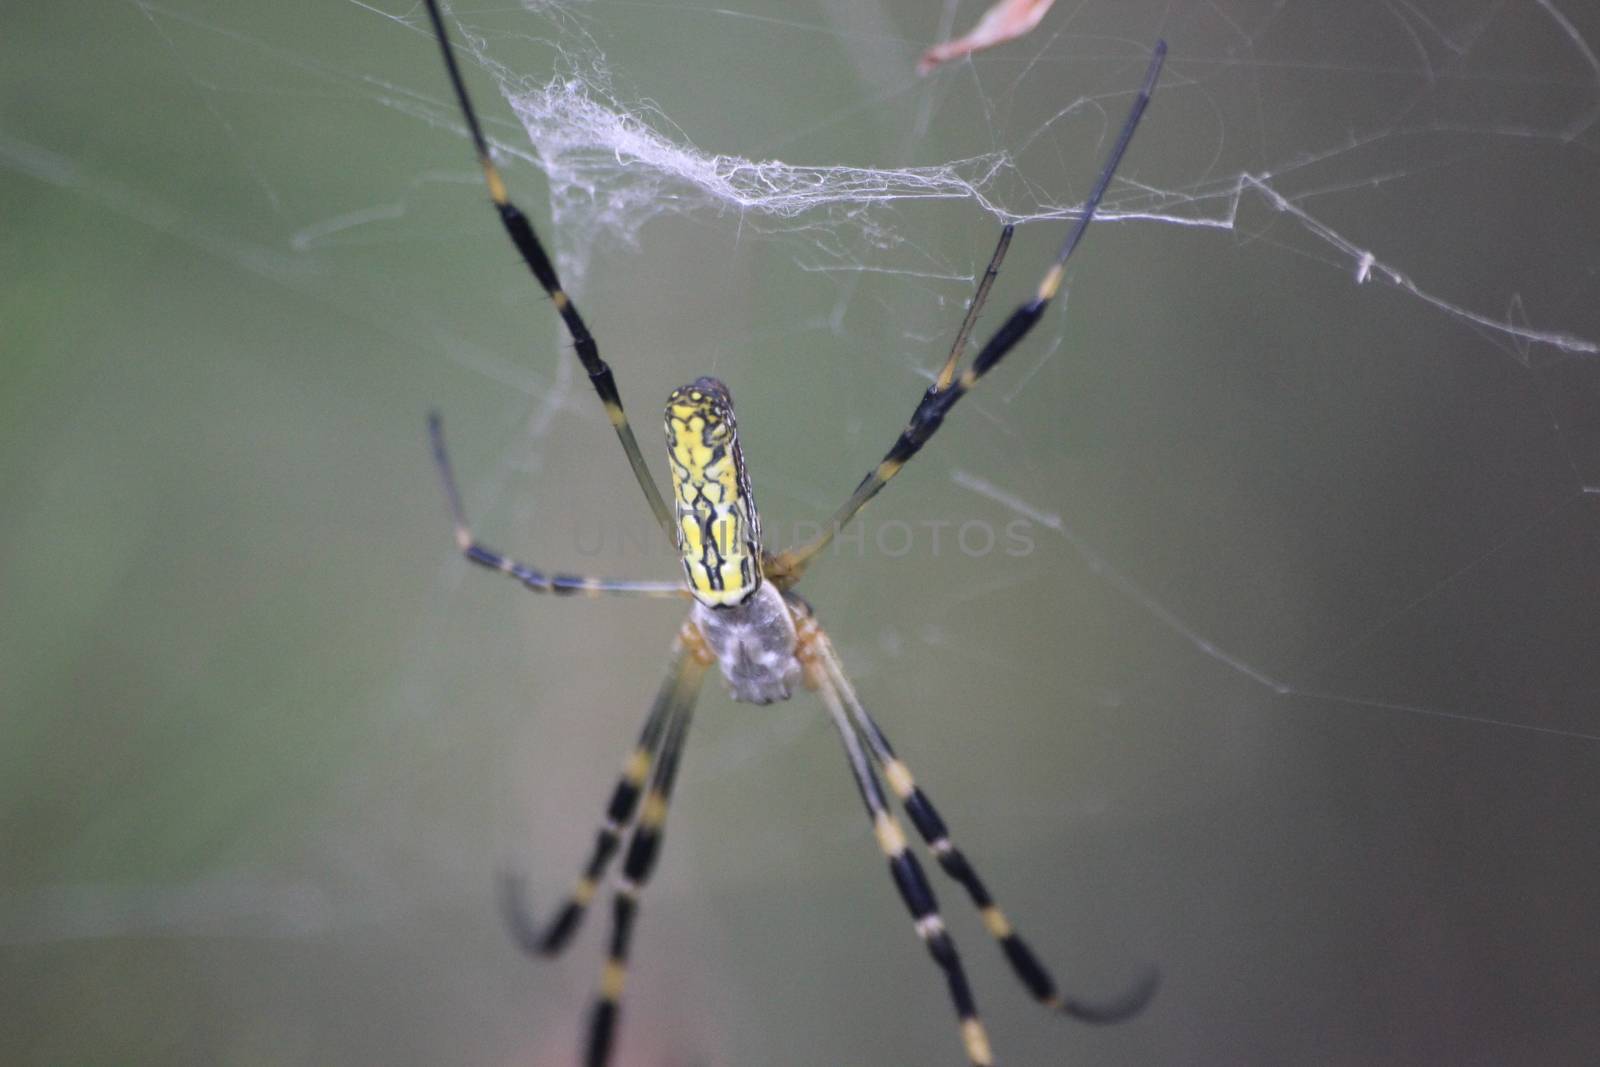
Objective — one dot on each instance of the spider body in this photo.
(745, 623)
(747, 619)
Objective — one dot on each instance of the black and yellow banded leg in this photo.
(931, 827)
(537, 580)
(787, 566)
(644, 848)
(550, 939)
(910, 880)
(522, 235)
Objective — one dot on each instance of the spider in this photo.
(747, 619)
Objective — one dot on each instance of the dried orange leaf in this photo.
(1005, 21)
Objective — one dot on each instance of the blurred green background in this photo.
(1294, 695)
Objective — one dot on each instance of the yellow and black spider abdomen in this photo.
(718, 528)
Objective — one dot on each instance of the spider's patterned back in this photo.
(718, 528)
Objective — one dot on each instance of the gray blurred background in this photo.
(1293, 693)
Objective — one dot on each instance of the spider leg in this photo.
(537, 580)
(787, 566)
(522, 235)
(644, 847)
(909, 878)
(975, 307)
(1028, 969)
(550, 939)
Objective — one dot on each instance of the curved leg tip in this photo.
(525, 930)
(512, 894)
(1126, 1006)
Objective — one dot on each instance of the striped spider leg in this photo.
(551, 939)
(522, 235)
(533, 578)
(644, 844)
(907, 873)
(787, 566)
(634, 807)
(836, 689)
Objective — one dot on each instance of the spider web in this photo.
(1276, 665)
